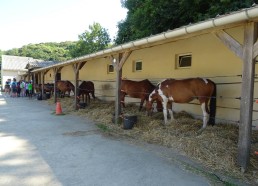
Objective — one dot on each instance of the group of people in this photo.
(18, 88)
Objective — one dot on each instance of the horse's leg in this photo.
(165, 111)
(122, 99)
(88, 97)
(82, 97)
(205, 114)
(170, 110)
(141, 104)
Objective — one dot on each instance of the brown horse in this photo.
(64, 86)
(184, 91)
(85, 89)
(136, 89)
(49, 87)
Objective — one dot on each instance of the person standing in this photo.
(22, 86)
(14, 88)
(30, 90)
(18, 89)
(26, 89)
(7, 88)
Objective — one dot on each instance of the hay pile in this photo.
(215, 147)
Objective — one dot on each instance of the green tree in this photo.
(92, 40)
(149, 17)
(47, 51)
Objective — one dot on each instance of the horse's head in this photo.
(149, 108)
(149, 104)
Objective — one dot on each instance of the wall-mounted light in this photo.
(114, 60)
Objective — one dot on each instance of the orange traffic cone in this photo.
(58, 108)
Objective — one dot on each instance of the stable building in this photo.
(223, 49)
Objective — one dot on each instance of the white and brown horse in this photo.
(184, 91)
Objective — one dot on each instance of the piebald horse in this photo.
(184, 91)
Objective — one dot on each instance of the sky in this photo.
(39, 21)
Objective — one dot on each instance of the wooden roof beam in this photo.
(230, 42)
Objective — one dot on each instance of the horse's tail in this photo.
(93, 90)
(213, 102)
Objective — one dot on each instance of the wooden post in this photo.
(76, 69)
(34, 83)
(118, 88)
(55, 70)
(246, 107)
(118, 67)
(42, 83)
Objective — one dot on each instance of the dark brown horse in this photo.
(64, 86)
(184, 91)
(85, 89)
(49, 87)
(136, 89)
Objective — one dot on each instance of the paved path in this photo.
(39, 148)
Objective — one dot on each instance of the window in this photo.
(58, 76)
(137, 66)
(110, 69)
(184, 61)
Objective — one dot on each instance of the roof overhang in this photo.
(249, 14)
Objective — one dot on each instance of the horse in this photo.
(49, 87)
(85, 89)
(184, 91)
(137, 89)
(64, 86)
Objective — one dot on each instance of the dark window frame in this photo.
(138, 66)
(109, 67)
(184, 61)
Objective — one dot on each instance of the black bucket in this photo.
(48, 95)
(39, 97)
(129, 121)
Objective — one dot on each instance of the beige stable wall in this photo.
(97, 71)
(49, 76)
(210, 59)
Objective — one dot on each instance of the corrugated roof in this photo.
(40, 64)
(233, 17)
(15, 62)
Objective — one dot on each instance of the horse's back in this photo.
(87, 85)
(64, 85)
(132, 85)
(186, 90)
(137, 89)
